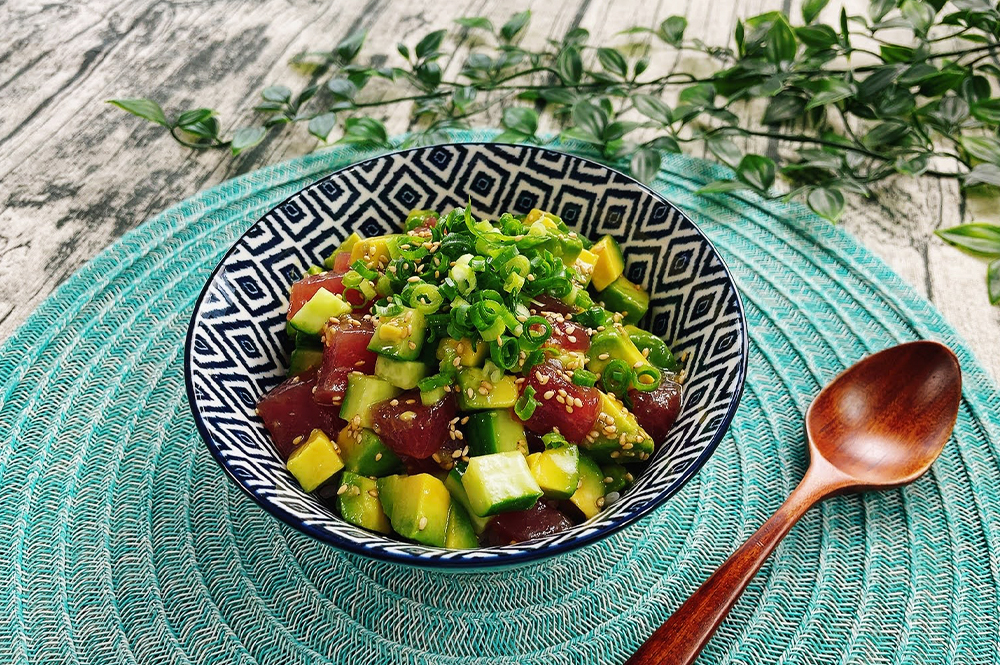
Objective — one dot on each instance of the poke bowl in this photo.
(450, 356)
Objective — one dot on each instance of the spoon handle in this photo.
(685, 633)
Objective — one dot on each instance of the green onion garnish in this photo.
(526, 404)
(531, 338)
(646, 385)
(584, 377)
(617, 377)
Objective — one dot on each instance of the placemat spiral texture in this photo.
(123, 542)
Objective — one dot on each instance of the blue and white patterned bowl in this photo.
(236, 347)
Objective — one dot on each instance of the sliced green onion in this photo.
(494, 330)
(426, 298)
(536, 357)
(554, 440)
(531, 339)
(506, 353)
(520, 265)
(584, 377)
(352, 279)
(439, 380)
(617, 377)
(362, 269)
(646, 386)
(526, 404)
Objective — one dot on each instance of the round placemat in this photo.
(123, 542)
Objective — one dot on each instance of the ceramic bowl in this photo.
(237, 348)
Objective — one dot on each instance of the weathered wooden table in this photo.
(76, 173)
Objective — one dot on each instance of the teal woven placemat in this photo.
(123, 542)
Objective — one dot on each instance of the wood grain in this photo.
(75, 174)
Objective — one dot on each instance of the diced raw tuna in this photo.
(289, 411)
(345, 351)
(515, 527)
(412, 429)
(555, 392)
(657, 410)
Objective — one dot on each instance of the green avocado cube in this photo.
(418, 507)
(363, 392)
(556, 470)
(625, 297)
(357, 501)
(589, 496)
(460, 535)
(365, 453)
(477, 391)
(620, 438)
(453, 481)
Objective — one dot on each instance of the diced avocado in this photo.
(616, 478)
(314, 462)
(373, 251)
(584, 267)
(469, 354)
(659, 355)
(589, 495)
(314, 270)
(345, 246)
(401, 336)
(460, 535)
(417, 506)
(500, 394)
(628, 298)
(613, 423)
(610, 263)
(499, 483)
(304, 359)
(556, 470)
(571, 359)
(495, 431)
(357, 500)
(400, 373)
(611, 343)
(428, 397)
(362, 393)
(313, 315)
(460, 497)
(364, 452)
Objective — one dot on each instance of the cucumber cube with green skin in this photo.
(610, 263)
(460, 534)
(418, 507)
(556, 470)
(495, 431)
(499, 483)
(616, 478)
(500, 394)
(303, 360)
(659, 354)
(364, 453)
(628, 298)
(401, 336)
(363, 392)
(611, 343)
(589, 495)
(357, 504)
(403, 374)
(619, 438)
(319, 309)
(315, 462)
(453, 481)
(428, 397)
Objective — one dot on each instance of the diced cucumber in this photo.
(400, 336)
(611, 343)
(365, 453)
(362, 393)
(357, 501)
(400, 373)
(460, 535)
(556, 470)
(495, 431)
(303, 360)
(659, 355)
(418, 507)
(616, 478)
(459, 496)
(589, 495)
(314, 462)
(614, 422)
(428, 397)
(500, 394)
(319, 309)
(625, 297)
(610, 263)
(499, 483)
(469, 354)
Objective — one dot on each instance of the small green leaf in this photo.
(618, 129)
(827, 203)
(817, 36)
(892, 53)
(365, 130)
(757, 171)
(510, 137)
(672, 30)
(879, 8)
(812, 8)
(653, 107)
(953, 110)
(725, 149)
(830, 90)
(247, 137)
(193, 117)
(918, 14)
(569, 65)
(276, 93)
(987, 110)
(781, 43)
(783, 108)
(429, 44)
(403, 50)
(512, 28)
(993, 281)
(699, 96)
(911, 165)
(612, 61)
(520, 119)
(146, 109)
(576, 37)
(645, 164)
(985, 148)
(480, 22)
(885, 134)
(350, 46)
(590, 118)
(721, 186)
(879, 80)
(664, 144)
(342, 88)
(979, 240)
(558, 96)
(983, 174)
(463, 95)
(321, 125)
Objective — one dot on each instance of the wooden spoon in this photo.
(878, 425)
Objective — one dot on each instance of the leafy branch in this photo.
(844, 106)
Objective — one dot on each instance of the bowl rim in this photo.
(458, 562)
